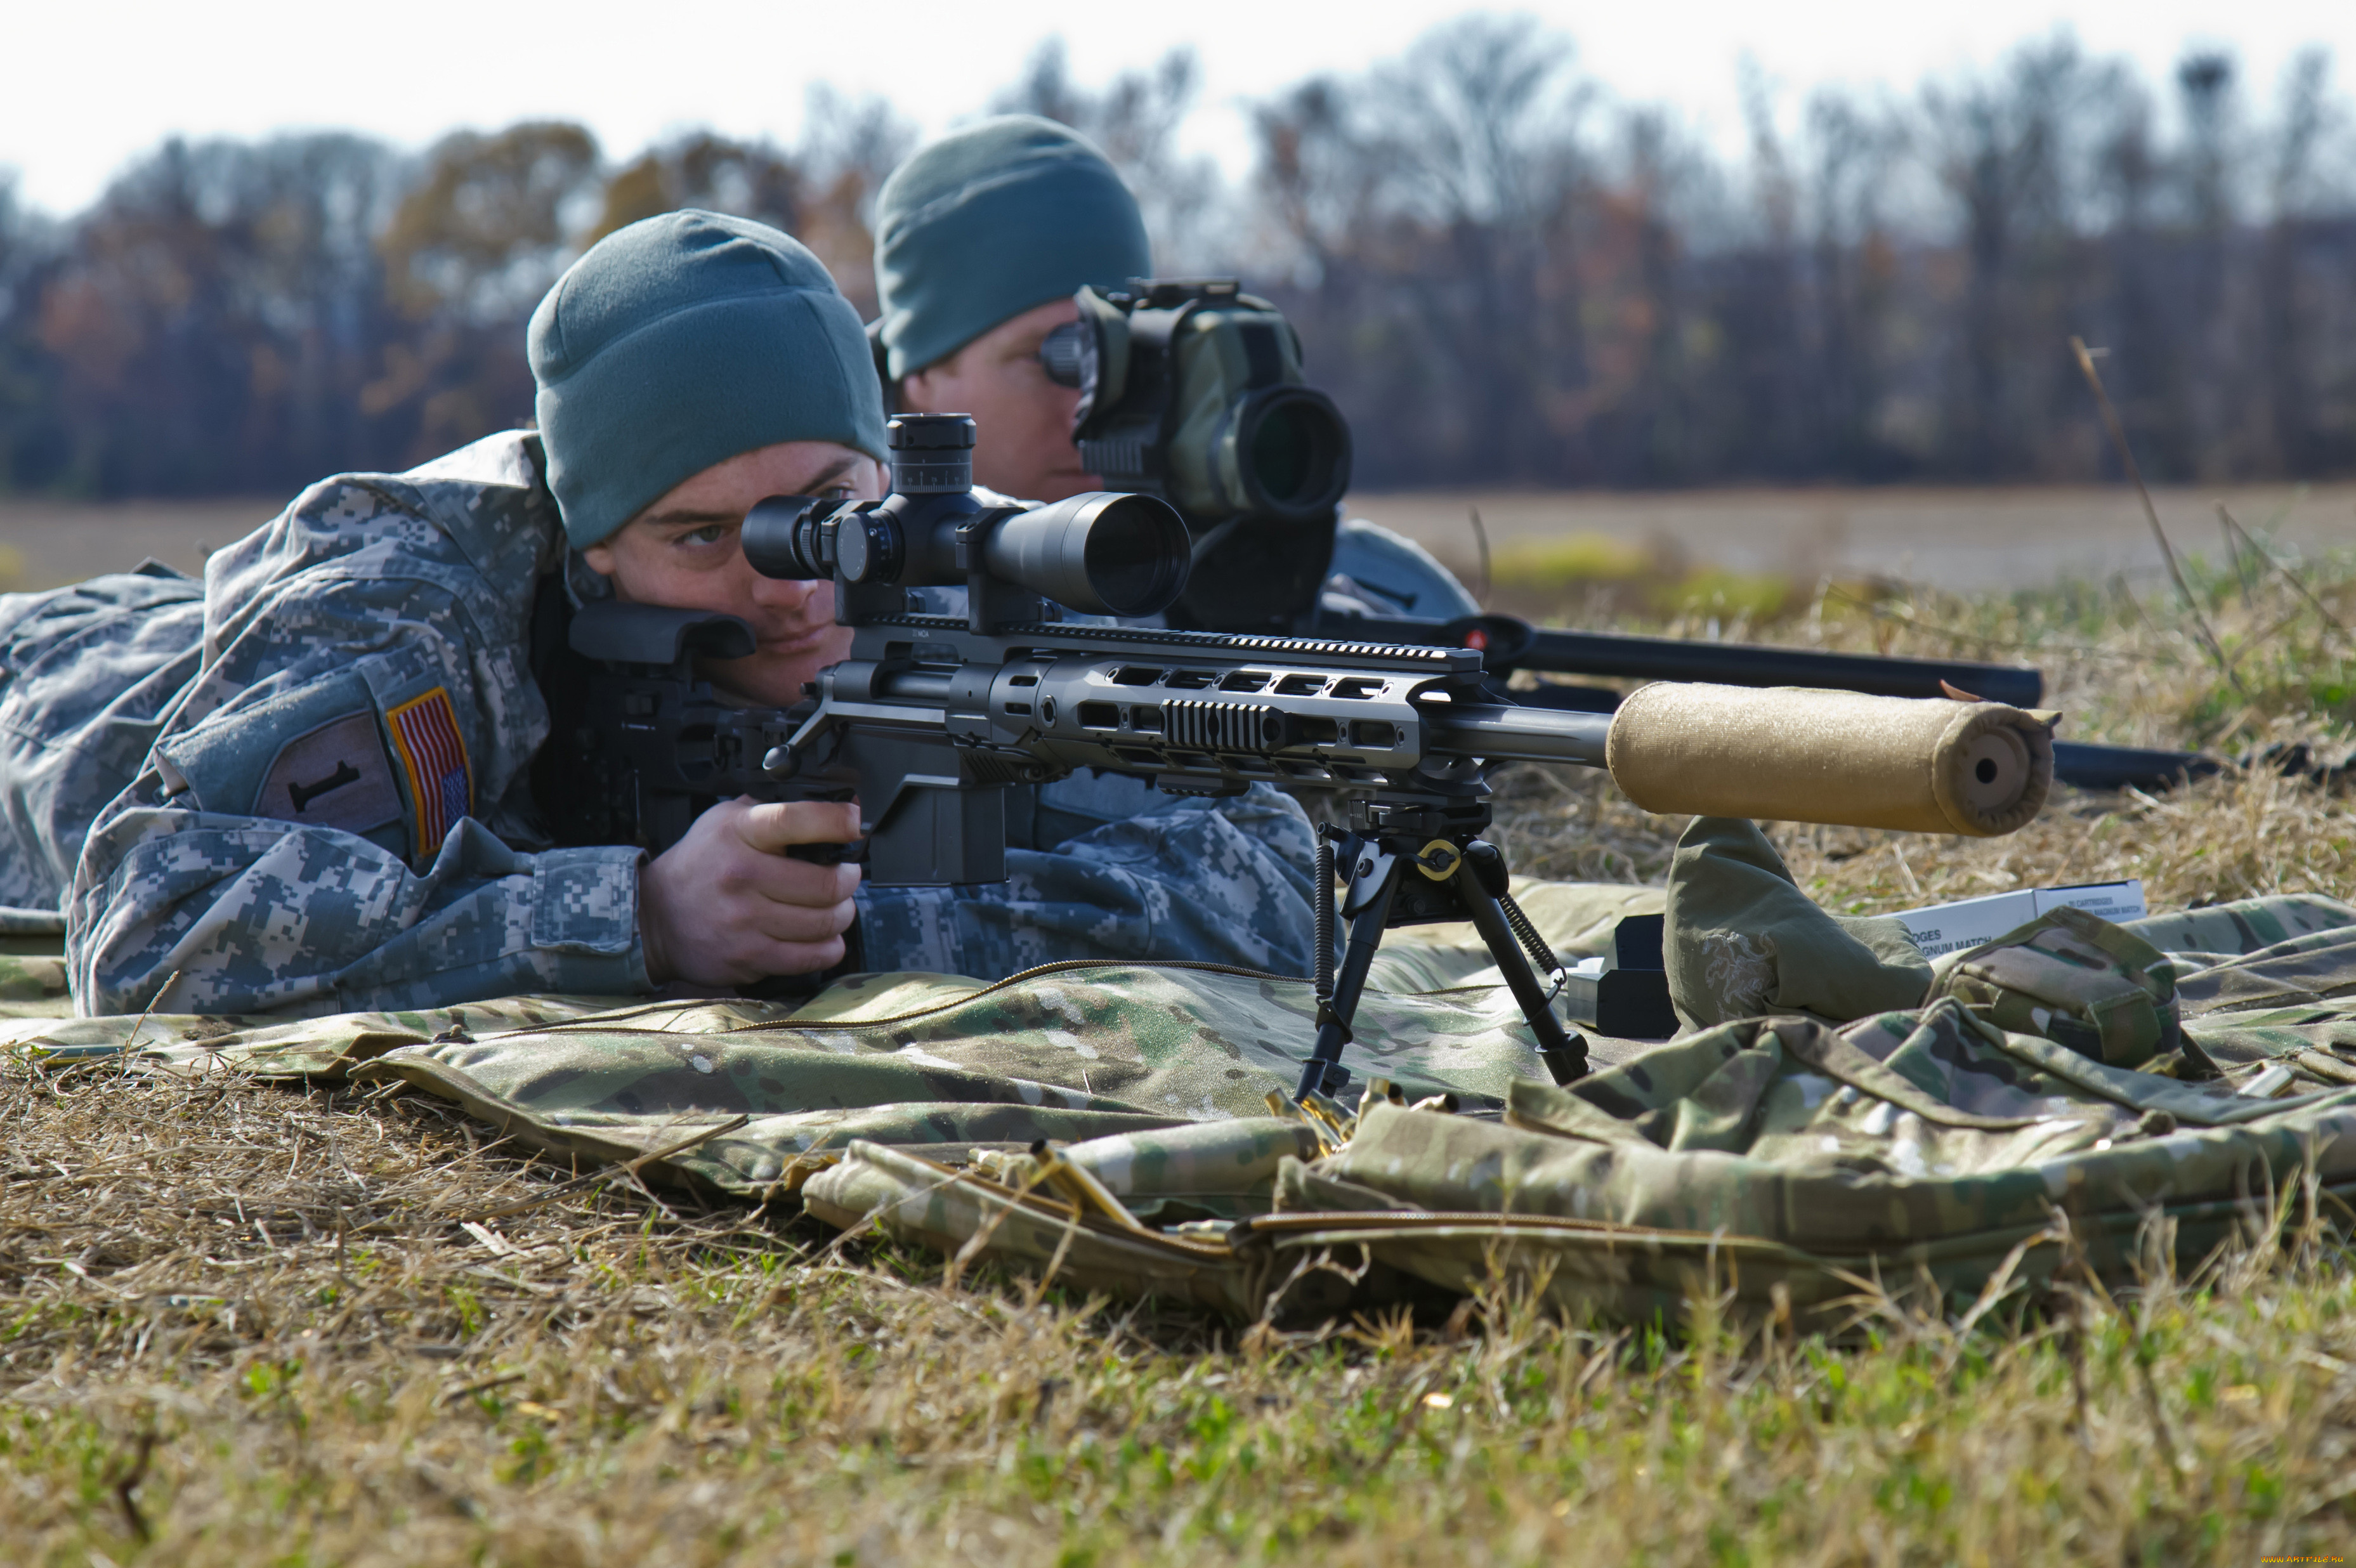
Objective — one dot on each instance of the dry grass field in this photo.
(46, 544)
(1973, 540)
(243, 1324)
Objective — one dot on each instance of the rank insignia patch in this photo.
(425, 733)
(334, 776)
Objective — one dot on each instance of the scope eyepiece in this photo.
(1063, 353)
(801, 538)
(781, 538)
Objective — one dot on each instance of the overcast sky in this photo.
(85, 87)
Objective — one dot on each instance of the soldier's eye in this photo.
(709, 533)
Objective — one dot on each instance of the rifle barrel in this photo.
(2091, 765)
(1633, 657)
(1753, 664)
(1501, 734)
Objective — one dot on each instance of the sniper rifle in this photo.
(1194, 391)
(932, 719)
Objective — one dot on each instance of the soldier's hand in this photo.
(726, 906)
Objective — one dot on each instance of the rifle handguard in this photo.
(1792, 754)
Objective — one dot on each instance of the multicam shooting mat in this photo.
(2074, 1093)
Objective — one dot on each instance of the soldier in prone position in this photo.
(307, 783)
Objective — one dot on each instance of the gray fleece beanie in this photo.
(983, 225)
(683, 341)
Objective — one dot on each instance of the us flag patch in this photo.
(425, 734)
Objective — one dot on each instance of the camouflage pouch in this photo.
(2076, 980)
(30, 979)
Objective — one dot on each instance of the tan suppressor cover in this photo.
(1793, 755)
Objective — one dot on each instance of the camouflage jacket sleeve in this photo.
(329, 817)
(1223, 881)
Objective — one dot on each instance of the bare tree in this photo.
(1504, 274)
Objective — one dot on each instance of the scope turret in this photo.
(932, 455)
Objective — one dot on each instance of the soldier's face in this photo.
(1022, 421)
(682, 552)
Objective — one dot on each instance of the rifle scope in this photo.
(1101, 553)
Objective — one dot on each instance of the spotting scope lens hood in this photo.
(1102, 553)
(1292, 453)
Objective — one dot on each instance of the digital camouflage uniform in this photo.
(302, 785)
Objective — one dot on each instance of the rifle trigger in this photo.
(829, 854)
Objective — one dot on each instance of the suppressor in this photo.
(1792, 754)
(1788, 754)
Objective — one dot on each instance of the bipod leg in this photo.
(1564, 1054)
(1369, 908)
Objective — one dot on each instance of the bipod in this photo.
(1407, 879)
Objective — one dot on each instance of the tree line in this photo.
(1505, 275)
